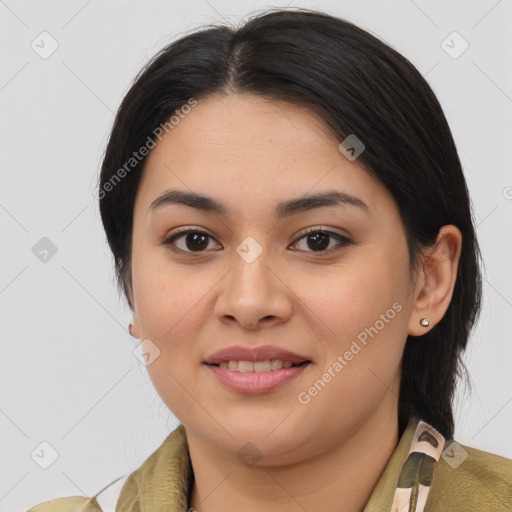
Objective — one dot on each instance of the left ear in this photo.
(437, 280)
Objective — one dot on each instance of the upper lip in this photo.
(240, 353)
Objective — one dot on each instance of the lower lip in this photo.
(256, 382)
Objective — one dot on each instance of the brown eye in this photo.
(318, 240)
(191, 240)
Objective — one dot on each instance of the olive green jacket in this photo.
(424, 473)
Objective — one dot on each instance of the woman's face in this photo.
(252, 277)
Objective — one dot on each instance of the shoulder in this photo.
(169, 462)
(68, 504)
(482, 481)
(103, 501)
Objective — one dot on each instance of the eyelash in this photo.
(180, 232)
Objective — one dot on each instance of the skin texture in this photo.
(251, 153)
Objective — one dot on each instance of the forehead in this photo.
(245, 125)
(248, 149)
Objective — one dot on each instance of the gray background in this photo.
(68, 372)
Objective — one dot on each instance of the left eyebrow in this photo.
(281, 210)
(315, 201)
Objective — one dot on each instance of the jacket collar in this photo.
(383, 493)
(163, 483)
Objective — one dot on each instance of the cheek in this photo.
(364, 309)
(367, 319)
(351, 296)
(168, 302)
(167, 311)
(163, 292)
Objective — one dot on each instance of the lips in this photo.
(239, 353)
(256, 370)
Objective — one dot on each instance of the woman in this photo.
(292, 229)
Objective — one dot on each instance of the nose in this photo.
(253, 295)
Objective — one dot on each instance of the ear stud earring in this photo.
(424, 322)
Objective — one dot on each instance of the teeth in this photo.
(262, 366)
(256, 366)
(276, 364)
(245, 366)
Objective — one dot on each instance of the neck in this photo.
(346, 474)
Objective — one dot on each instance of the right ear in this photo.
(134, 328)
(134, 324)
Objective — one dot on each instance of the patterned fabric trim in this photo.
(418, 470)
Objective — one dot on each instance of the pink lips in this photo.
(239, 353)
(255, 382)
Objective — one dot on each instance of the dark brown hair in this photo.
(358, 85)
